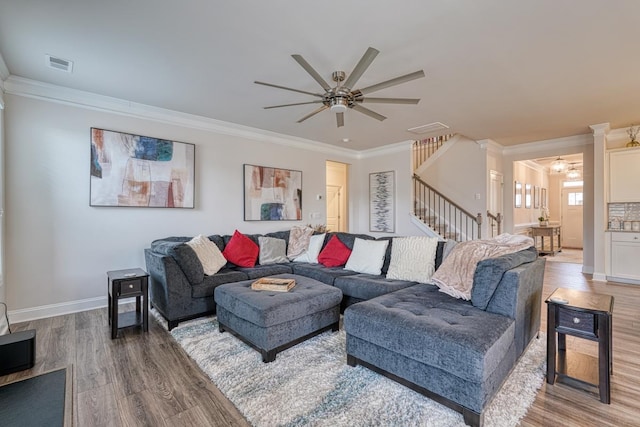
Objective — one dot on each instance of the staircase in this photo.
(439, 213)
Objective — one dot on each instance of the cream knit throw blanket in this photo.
(455, 275)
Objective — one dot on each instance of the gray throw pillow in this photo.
(272, 250)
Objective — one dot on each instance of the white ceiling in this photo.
(511, 71)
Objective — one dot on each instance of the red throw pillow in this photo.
(334, 254)
(241, 250)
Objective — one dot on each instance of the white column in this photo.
(600, 132)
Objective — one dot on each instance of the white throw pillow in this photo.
(315, 246)
(413, 258)
(208, 253)
(367, 256)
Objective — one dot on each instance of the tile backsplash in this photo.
(623, 215)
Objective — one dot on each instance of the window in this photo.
(567, 184)
(575, 199)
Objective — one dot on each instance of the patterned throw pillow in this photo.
(335, 254)
(208, 253)
(413, 258)
(299, 238)
(241, 250)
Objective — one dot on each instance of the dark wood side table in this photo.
(127, 284)
(585, 315)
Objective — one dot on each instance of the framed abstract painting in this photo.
(140, 171)
(382, 201)
(272, 194)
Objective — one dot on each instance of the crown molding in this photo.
(44, 91)
(600, 129)
(491, 146)
(399, 147)
(549, 144)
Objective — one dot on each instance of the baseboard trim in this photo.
(50, 310)
(599, 277)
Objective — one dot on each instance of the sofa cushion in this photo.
(367, 256)
(241, 250)
(320, 272)
(258, 271)
(349, 239)
(272, 250)
(218, 240)
(489, 272)
(206, 287)
(299, 238)
(208, 253)
(413, 258)
(334, 254)
(367, 286)
(313, 250)
(428, 326)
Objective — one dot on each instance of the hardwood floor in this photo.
(147, 380)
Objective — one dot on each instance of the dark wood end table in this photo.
(127, 284)
(585, 315)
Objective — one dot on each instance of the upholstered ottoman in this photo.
(274, 321)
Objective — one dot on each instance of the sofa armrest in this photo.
(519, 296)
(169, 288)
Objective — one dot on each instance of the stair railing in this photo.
(495, 223)
(425, 148)
(437, 211)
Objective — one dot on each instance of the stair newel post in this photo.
(479, 221)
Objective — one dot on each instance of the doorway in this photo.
(336, 196)
(571, 219)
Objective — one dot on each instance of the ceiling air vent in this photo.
(59, 63)
(431, 127)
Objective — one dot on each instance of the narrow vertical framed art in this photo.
(382, 202)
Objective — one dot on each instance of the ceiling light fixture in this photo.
(573, 174)
(559, 165)
(339, 105)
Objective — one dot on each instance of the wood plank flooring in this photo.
(147, 379)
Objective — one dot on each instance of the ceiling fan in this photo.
(342, 96)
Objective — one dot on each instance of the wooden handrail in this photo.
(425, 148)
(430, 204)
(495, 219)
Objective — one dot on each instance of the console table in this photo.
(553, 235)
(585, 315)
(127, 284)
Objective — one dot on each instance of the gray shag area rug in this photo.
(311, 384)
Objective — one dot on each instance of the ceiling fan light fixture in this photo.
(339, 105)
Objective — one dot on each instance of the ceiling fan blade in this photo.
(313, 113)
(361, 67)
(340, 119)
(368, 112)
(288, 88)
(393, 82)
(389, 100)
(309, 69)
(290, 105)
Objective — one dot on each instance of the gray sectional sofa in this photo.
(455, 351)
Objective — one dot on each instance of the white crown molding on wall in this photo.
(399, 147)
(491, 146)
(549, 144)
(44, 91)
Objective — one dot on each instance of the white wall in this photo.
(58, 248)
(2, 216)
(393, 158)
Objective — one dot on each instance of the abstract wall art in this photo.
(382, 201)
(140, 171)
(272, 194)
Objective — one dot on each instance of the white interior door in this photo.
(333, 207)
(572, 217)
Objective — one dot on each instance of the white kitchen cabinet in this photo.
(624, 175)
(625, 255)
